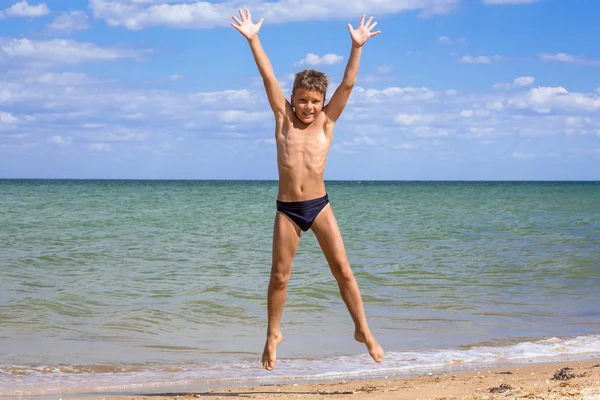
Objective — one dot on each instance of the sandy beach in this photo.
(558, 380)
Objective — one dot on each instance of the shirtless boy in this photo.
(303, 133)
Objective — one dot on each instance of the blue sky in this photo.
(166, 89)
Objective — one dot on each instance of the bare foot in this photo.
(269, 354)
(375, 350)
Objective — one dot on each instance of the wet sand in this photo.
(557, 380)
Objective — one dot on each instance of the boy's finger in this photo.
(362, 19)
(350, 28)
(369, 21)
(375, 33)
(235, 26)
(236, 20)
(248, 14)
(260, 22)
(241, 15)
(372, 26)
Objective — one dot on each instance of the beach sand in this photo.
(558, 380)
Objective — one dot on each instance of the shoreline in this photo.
(244, 379)
(545, 380)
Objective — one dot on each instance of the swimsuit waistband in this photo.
(303, 203)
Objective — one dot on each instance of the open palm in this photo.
(364, 32)
(245, 25)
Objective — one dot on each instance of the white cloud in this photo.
(7, 96)
(134, 14)
(383, 69)
(523, 81)
(314, 60)
(287, 79)
(522, 156)
(125, 137)
(365, 140)
(58, 51)
(62, 79)
(82, 109)
(395, 94)
(557, 57)
(577, 121)
(544, 100)
(70, 22)
(7, 118)
(468, 113)
(495, 105)
(175, 77)
(516, 83)
(404, 146)
(479, 59)
(1, 14)
(511, 1)
(135, 116)
(338, 148)
(425, 131)
(239, 116)
(61, 140)
(23, 9)
(102, 116)
(411, 119)
(100, 146)
(567, 58)
(444, 40)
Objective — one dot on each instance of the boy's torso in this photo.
(301, 156)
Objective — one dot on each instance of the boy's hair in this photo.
(311, 79)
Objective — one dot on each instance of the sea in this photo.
(141, 287)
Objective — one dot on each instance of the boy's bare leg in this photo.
(286, 237)
(328, 234)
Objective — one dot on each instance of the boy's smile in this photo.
(307, 104)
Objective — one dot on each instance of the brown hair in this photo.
(311, 79)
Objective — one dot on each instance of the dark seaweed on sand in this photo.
(501, 389)
(564, 374)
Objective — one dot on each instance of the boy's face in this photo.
(307, 104)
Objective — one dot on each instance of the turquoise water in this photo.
(109, 285)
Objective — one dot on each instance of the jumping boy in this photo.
(303, 133)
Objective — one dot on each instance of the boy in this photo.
(303, 134)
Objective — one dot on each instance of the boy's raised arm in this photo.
(250, 31)
(359, 36)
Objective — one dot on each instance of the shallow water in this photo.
(107, 283)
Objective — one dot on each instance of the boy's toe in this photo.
(269, 364)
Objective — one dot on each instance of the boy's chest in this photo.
(297, 138)
(307, 139)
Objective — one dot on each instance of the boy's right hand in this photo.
(246, 27)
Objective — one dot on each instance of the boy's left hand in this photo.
(361, 34)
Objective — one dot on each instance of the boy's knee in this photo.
(280, 279)
(341, 270)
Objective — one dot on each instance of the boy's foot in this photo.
(269, 354)
(375, 350)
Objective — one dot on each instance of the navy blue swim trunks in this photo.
(303, 213)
